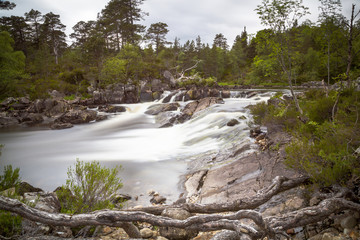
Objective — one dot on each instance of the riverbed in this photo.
(152, 158)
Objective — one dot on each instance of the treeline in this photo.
(116, 48)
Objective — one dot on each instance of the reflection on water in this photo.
(152, 158)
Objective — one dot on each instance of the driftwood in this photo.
(279, 184)
(260, 227)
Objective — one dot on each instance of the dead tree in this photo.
(260, 227)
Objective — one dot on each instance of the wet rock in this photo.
(111, 108)
(146, 233)
(33, 118)
(120, 198)
(6, 122)
(100, 118)
(59, 126)
(159, 108)
(232, 122)
(146, 96)
(158, 199)
(77, 117)
(25, 187)
(225, 94)
(254, 132)
(251, 94)
(176, 233)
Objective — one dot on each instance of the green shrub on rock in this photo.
(89, 187)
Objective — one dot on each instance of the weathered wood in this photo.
(269, 226)
(279, 184)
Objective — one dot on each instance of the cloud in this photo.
(186, 18)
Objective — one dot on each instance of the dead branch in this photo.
(279, 184)
(269, 226)
(311, 215)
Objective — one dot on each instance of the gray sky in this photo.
(186, 18)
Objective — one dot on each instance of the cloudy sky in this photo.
(186, 18)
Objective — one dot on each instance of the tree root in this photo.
(269, 226)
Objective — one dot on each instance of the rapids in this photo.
(152, 158)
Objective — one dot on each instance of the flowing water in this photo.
(152, 158)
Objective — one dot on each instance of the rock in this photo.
(62, 231)
(8, 122)
(251, 94)
(226, 235)
(159, 108)
(176, 233)
(161, 238)
(225, 94)
(146, 96)
(100, 118)
(156, 85)
(59, 126)
(33, 118)
(77, 117)
(348, 222)
(168, 97)
(261, 136)
(43, 201)
(8, 192)
(146, 233)
(157, 199)
(254, 132)
(8, 101)
(242, 117)
(232, 122)
(25, 187)
(111, 109)
(120, 198)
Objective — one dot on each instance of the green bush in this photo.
(10, 224)
(89, 187)
(10, 178)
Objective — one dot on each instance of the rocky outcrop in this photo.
(77, 117)
(197, 106)
(159, 108)
(111, 109)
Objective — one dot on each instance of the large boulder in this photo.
(77, 117)
(43, 201)
(6, 122)
(111, 109)
(32, 118)
(159, 108)
(25, 187)
(176, 233)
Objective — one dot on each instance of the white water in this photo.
(152, 158)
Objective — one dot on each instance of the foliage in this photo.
(10, 224)
(324, 145)
(12, 65)
(10, 178)
(89, 187)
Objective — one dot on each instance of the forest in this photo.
(315, 133)
(116, 48)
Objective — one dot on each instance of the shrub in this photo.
(10, 224)
(89, 187)
(10, 178)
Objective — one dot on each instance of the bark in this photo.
(350, 43)
(270, 226)
(279, 184)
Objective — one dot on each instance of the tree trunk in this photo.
(350, 44)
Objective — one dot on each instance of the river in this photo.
(152, 158)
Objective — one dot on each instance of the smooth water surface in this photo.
(152, 158)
